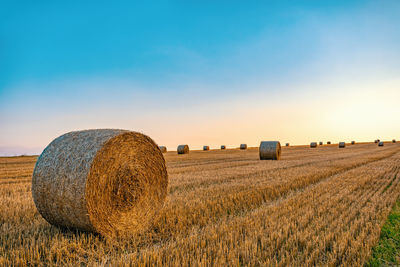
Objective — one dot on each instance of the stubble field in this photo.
(322, 206)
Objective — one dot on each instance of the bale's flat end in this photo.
(183, 149)
(270, 150)
(108, 181)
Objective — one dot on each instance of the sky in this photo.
(199, 72)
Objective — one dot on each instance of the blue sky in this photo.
(199, 73)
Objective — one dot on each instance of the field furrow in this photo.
(321, 225)
(321, 206)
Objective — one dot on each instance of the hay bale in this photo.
(380, 143)
(183, 149)
(353, 142)
(394, 141)
(163, 149)
(243, 146)
(206, 148)
(313, 144)
(112, 182)
(321, 143)
(287, 144)
(270, 150)
(342, 144)
(329, 142)
(223, 147)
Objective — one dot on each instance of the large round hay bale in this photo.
(394, 141)
(329, 142)
(206, 148)
(353, 142)
(108, 181)
(321, 143)
(243, 146)
(163, 149)
(342, 144)
(287, 144)
(183, 149)
(270, 150)
(380, 143)
(223, 147)
(313, 144)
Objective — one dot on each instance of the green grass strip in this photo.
(386, 252)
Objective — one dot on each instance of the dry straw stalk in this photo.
(270, 150)
(108, 181)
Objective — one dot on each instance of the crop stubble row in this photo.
(313, 207)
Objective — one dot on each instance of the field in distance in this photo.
(313, 207)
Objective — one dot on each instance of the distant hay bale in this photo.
(329, 142)
(287, 144)
(394, 141)
(243, 146)
(313, 144)
(206, 148)
(342, 144)
(377, 141)
(353, 142)
(183, 149)
(380, 143)
(270, 150)
(223, 147)
(112, 182)
(321, 143)
(163, 149)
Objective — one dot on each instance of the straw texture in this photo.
(183, 149)
(108, 181)
(270, 150)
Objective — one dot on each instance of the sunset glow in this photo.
(201, 75)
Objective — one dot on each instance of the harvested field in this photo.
(313, 207)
